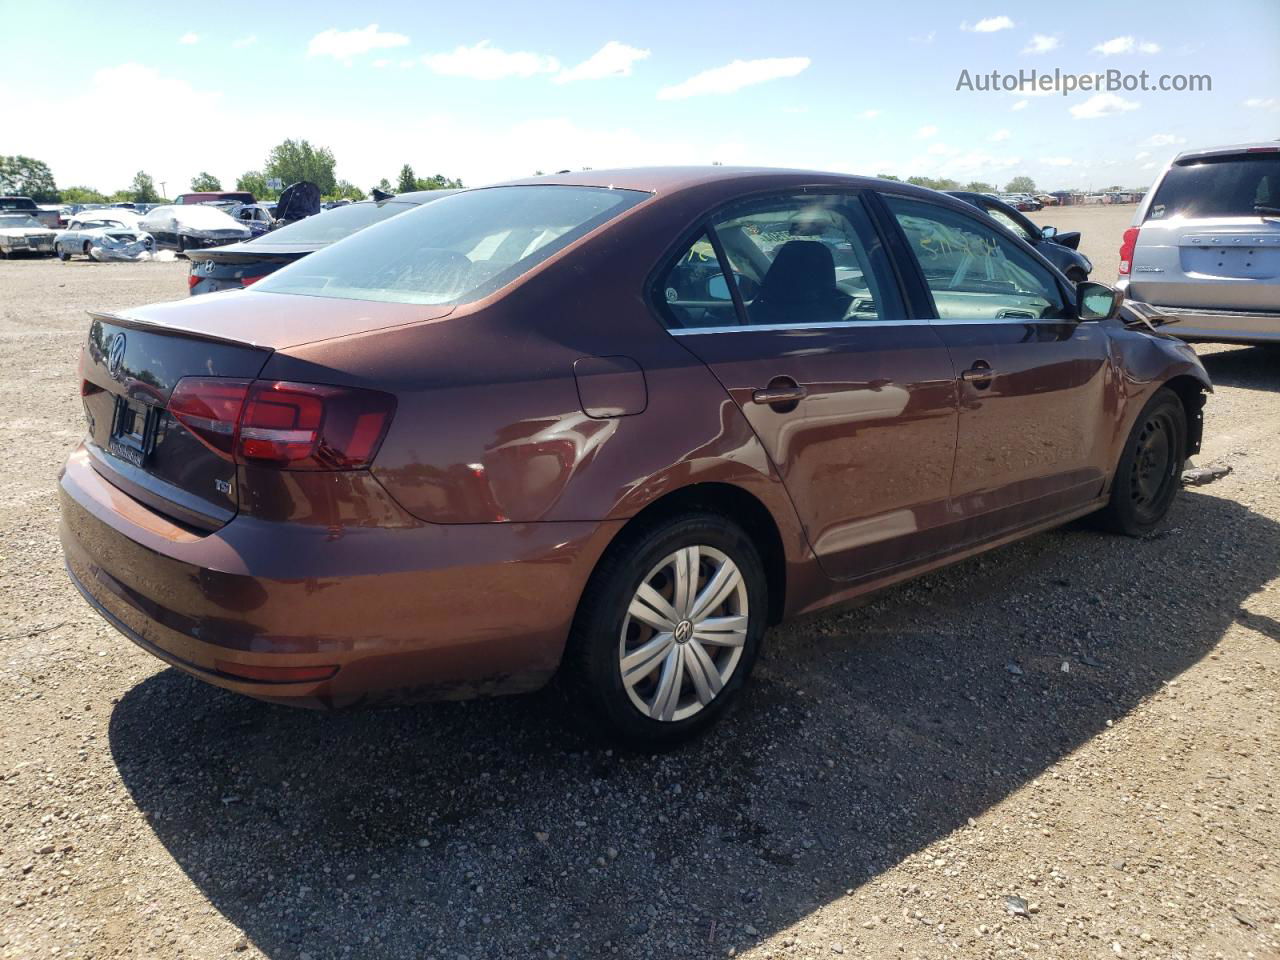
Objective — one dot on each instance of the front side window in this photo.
(805, 260)
(455, 250)
(973, 270)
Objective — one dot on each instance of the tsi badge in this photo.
(223, 486)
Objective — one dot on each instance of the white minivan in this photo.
(1204, 247)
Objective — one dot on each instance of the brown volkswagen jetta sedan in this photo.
(610, 425)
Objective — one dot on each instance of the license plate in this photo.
(133, 431)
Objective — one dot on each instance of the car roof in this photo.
(1258, 146)
(667, 180)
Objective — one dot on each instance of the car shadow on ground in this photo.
(1250, 368)
(492, 829)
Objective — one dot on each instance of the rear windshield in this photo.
(454, 250)
(1228, 186)
(330, 226)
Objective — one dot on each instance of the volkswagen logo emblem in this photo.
(115, 356)
(684, 631)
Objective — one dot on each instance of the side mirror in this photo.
(1048, 233)
(1097, 301)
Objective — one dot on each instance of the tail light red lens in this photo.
(1128, 243)
(249, 281)
(294, 426)
(192, 280)
(210, 408)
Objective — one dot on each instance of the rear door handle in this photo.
(771, 395)
(977, 374)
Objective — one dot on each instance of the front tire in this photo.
(668, 630)
(62, 254)
(1149, 473)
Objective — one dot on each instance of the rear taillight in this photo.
(192, 280)
(293, 426)
(247, 281)
(210, 408)
(1127, 245)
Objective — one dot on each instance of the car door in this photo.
(1035, 403)
(792, 303)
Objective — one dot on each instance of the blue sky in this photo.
(495, 90)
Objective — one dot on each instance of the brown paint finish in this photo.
(531, 426)
(867, 453)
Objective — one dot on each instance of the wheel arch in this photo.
(736, 504)
(1192, 392)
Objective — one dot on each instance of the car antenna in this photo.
(380, 195)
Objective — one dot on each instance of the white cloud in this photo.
(187, 39)
(1102, 105)
(243, 42)
(998, 136)
(989, 25)
(734, 76)
(484, 62)
(869, 114)
(1261, 103)
(1117, 45)
(382, 62)
(614, 59)
(1163, 140)
(1142, 155)
(1020, 105)
(346, 44)
(1041, 43)
(1057, 161)
(927, 131)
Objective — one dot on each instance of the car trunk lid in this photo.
(128, 373)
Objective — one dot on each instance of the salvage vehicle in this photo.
(27, 206)
(180, 227)
(20, 233)
(90, 226)
(603, 425)
(241, 264)
(1060, 249)
(1203, 251)
(215, 196)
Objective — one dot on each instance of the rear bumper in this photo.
(1214, 326)
(404, 612)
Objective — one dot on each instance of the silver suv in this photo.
(1204, 247)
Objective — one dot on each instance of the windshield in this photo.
(95, 224)
(17, 203)
(18, 221)
(454, 250)
(1229, 186)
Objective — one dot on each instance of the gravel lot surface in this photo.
(1065, 748)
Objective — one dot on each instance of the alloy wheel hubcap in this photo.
(684, 633)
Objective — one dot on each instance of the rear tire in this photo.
(667, 631)
(62, 254)
(1150, 470)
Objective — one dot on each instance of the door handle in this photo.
(977, 374)
(771, 395)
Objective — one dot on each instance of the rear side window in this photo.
(974, 271)
(1229, 186)
(807, 260)
(454, 250)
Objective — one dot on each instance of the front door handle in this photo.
(978, 373)
(779, 394)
